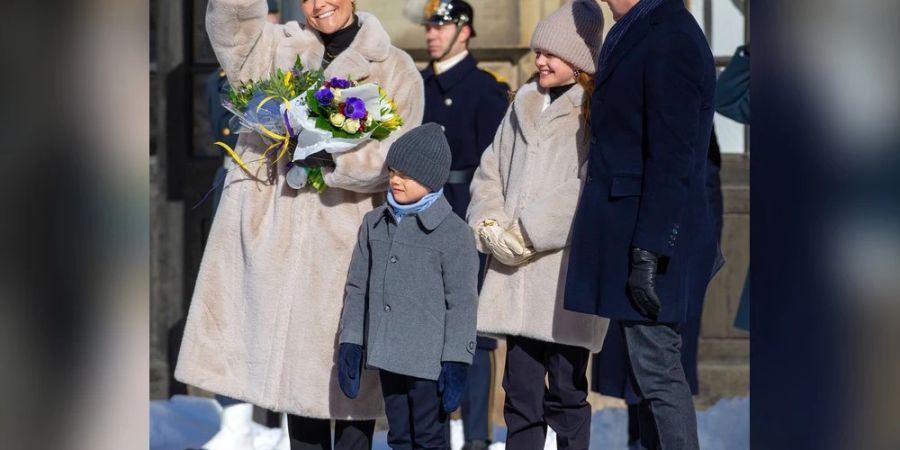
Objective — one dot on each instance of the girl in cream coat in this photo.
(524, 195)
(263, 321)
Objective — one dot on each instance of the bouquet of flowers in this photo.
(300, 111)
(333, 116)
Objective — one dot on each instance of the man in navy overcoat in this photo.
(643, 243)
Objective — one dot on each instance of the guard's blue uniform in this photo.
(470, 104)
(220, 120)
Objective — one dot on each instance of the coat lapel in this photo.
(564, 105)
(372, 44)
(635, 34)
(528, 107)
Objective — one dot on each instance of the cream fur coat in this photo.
(262, 325)
(532, 174)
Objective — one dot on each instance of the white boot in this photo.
(550, 443)
(284, 443)
(457, 434)
(236, 431)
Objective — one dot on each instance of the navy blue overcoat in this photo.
(651, 118)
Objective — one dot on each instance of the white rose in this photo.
(369, 121)
(337, 94)
(338, 119)
(351, 126)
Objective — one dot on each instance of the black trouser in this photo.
(416, 418)
(315, 434)
(476, 397)
(666, 414)
(531, 405)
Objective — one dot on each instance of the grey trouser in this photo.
(666, 415)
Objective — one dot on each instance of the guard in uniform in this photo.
(217, 88)
(470, 104)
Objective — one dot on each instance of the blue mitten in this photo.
(349, 362)
(451, 384)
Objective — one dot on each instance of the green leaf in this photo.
(323, 124)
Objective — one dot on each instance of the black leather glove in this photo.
(642, 282)
(318, 159)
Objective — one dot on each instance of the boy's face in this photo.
(405, 189)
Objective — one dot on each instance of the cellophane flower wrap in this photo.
(301, 113)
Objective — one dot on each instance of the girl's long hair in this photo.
(586, 81)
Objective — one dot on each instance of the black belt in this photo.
(461, 176)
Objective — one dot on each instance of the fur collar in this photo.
(372, 44)
(529, 103)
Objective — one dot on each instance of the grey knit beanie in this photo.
(574, 32)
(422, 154)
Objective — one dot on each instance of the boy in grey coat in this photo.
(411, 298)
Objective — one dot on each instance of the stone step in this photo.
(724, 350)
(722, 380)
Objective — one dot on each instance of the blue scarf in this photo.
(641, 9)
(400, 211)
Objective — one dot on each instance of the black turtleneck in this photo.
(557, 91)
(338, 41)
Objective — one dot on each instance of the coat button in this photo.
(393, 259)
(593, 140)
(471, 345)
(387, 308)
(590, 178)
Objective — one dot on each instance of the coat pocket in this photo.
(625, 185)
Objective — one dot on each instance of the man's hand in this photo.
(642, 283)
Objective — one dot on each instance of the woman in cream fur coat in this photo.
(524, 195)
(263, 321)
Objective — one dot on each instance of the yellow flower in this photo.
(287, 78)
(338, 119)
(392, 123)
(351, 126)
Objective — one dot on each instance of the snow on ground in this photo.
(187, 422)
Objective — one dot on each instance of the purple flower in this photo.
(355, 108)
(324, 96)
(339, 83)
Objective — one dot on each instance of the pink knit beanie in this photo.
(574, 32)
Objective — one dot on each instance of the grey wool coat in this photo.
(262, 325)
(411, 295)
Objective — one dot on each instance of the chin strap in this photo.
(463, 21)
